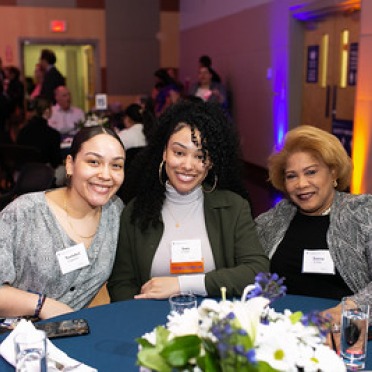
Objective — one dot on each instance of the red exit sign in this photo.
(58, 26)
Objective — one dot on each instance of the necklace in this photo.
(177, 221)
(72, 226)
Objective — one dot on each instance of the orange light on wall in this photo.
(58, 26)
(360, 152)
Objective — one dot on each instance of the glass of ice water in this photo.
(354, 334)
(182, 301)
(30, 351)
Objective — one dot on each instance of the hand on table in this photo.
(53, 308)
(335, 313)
(159, 288)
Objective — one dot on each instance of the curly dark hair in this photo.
(218, 139)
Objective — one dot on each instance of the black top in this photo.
(306, 232)
(37, 133)
(52, 79)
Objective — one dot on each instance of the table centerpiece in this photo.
(241, 335)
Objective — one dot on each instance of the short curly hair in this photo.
(321, 144)
(218, 139)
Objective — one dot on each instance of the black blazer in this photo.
(52, 79)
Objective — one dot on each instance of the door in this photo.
(329, 78)
(76, 63)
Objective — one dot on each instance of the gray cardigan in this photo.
(349, 238)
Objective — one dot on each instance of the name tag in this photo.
(317, 262)
(186, 257)
(72, 258)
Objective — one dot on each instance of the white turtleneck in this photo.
(186, 210)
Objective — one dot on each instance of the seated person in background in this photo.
(319, 238)
(65, 116)
(189, 195)
(133, 136)
(208, 90)
(40, 232)
(37, 133)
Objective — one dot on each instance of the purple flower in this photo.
(269, 286)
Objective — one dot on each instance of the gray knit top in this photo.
(30, 236)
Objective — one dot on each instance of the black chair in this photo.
(12, 158)
(133, 156)
(32, 177)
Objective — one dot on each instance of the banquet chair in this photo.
(12, 158)
(32, 177)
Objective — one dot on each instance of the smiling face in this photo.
(97, 170)
(309, 183)
(184, 162)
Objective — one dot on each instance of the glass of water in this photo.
(182, 301)
(30, 351)
(354, 334)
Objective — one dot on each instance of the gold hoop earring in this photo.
(335, 183)
(213, 187)
(161, 172)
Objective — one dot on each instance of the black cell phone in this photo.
(64, 328)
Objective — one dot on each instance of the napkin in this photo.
(54, 354)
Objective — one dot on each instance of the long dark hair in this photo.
(217, 138)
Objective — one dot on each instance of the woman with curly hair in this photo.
(190, 226)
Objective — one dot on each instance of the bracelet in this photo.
(40, 303)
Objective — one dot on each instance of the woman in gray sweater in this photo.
(319, 238)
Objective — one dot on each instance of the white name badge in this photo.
(186, 250)
(72, 258)
(317, 262)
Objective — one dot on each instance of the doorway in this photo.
(75, 60)
(330, 72)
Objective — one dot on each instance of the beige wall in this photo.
(24, 22)
(169, 39)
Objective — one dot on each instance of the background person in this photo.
(52, 77)
(319, 238)
(208, 90)
(40, 231)
(65, 116)
(37, 133)
(206, 61)
(132, 135)
(189, 193)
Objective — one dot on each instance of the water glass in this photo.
(354, 334)
(182, 301)
(30, 351)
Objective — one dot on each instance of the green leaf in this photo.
(144, 342)
(151, 359)
(265, 367)
(162, 335)
(179, 350)
(296, 317)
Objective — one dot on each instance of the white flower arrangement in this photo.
(93, 120)
(244, 335)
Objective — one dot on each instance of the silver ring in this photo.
(335, 328)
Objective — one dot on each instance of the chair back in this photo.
(32, 177)
(12, 158)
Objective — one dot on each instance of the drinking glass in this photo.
(182, 301)
(30, 351)
(354, 334)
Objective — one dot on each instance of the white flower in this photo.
(184, 324)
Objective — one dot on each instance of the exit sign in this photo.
(58, 26)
